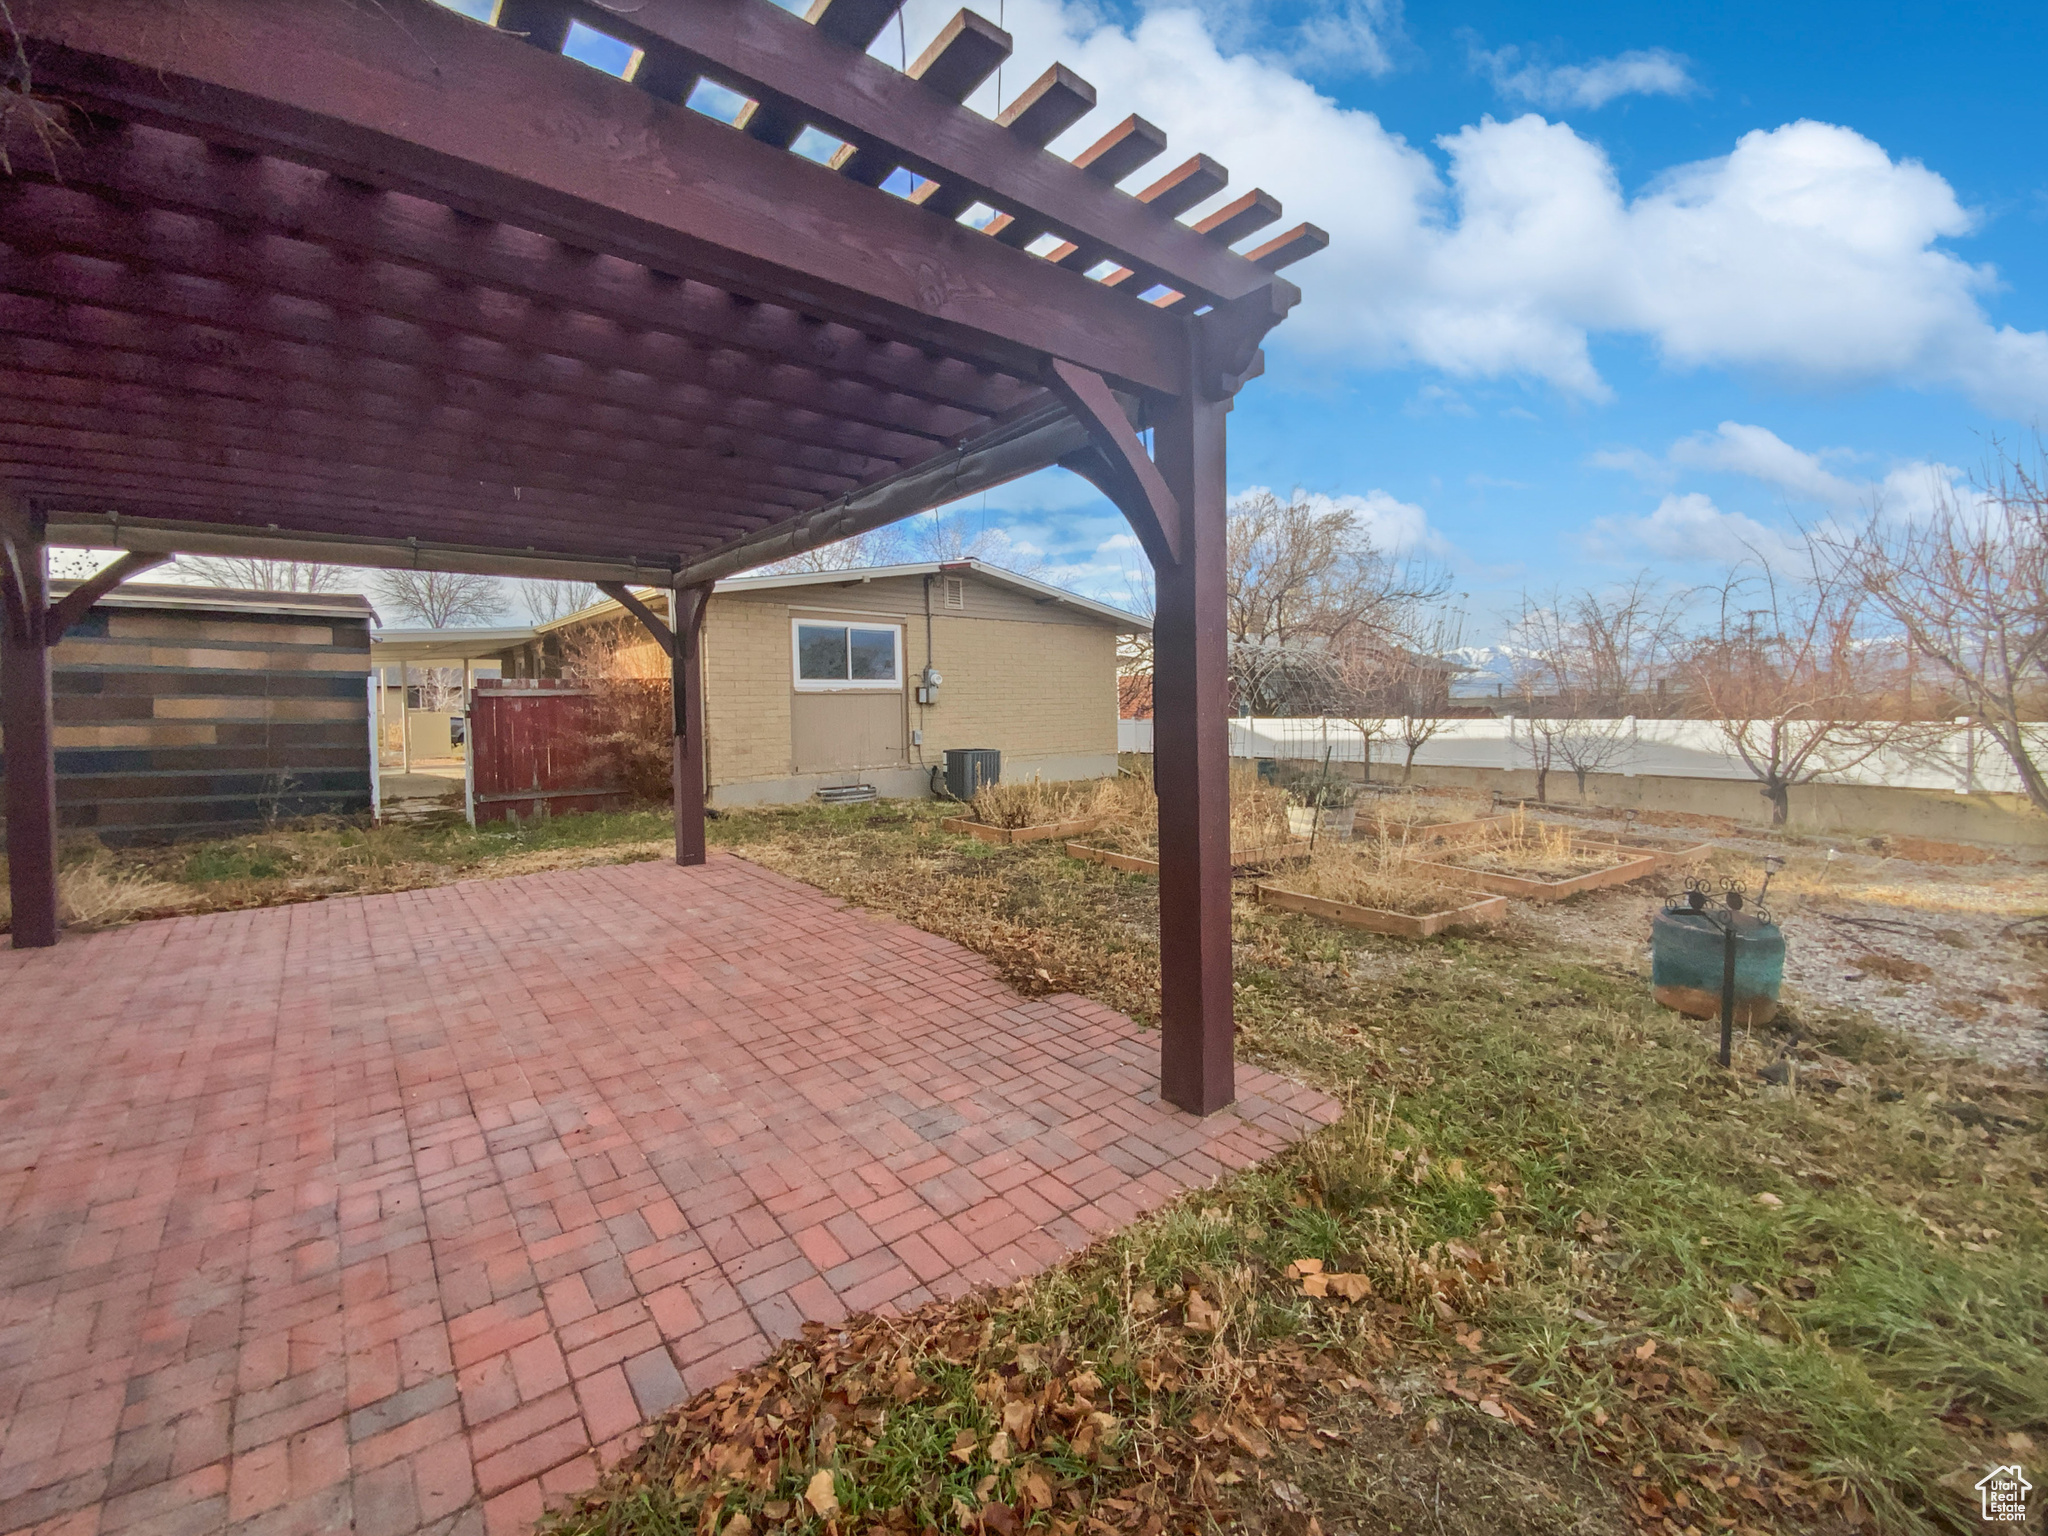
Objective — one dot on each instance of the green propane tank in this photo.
(1687, 955)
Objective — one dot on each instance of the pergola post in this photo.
(1191, 764)
(25, 644)
(686, 683)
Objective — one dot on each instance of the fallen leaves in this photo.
(821, 1495)
(1318, 1281)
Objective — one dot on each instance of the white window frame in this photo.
(851, 685)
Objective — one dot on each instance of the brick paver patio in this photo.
(396, 1213)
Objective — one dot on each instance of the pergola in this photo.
(381, 285)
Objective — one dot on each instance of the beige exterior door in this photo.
(836, 732)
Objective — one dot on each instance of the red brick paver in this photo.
(398, 1213)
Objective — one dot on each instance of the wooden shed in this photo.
(192, 711)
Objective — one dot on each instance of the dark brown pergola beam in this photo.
(1032, 441)
(150, 168)
(145, 416)
(504, 131)
(1116, 463)
(264, 507)
(75, 604)
(53, 222)
(111, 307)
(774, 58)
(69, 430)
(399, 396)
(83, 529)
(1048, 107)
(240, 473)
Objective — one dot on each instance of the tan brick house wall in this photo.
(1032, 677)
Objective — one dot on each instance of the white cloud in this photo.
(1397, 527)
(1639, 72)
(1438, 397)
(1807, 251)
(1761, 454)
(1688, 528)
(1646, 467)
(1320, 38)
(1756, 453)
(1117, 543)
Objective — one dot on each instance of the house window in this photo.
(956, 592)
(832, 657)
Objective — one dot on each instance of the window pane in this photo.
(821, 653)
(874, 655)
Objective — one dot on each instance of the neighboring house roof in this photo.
(419, 646)
(856, 575)
(137, 594)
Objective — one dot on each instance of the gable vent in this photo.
(956, 592)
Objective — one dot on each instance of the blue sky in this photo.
(1610, 287)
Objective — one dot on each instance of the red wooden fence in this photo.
(530, 752)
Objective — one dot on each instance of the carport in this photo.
(379, 284)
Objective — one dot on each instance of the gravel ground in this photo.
(1920, 947)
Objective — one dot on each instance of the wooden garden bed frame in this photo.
(1133, 864)
(1003, 837)
(1489, 909)
(1634, 867)
(1476, 826)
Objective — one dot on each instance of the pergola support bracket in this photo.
(1116, 461)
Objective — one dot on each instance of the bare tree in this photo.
(1367, 678)
(1969, 587)
(440, 599)
(546, 601)
(1424, 682)
(440, 687)
(250, 574)
(952, 535)
(1304, 586)
(878, 546)
(1583, 661)
(1789, 679)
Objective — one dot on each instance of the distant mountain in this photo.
(1491, 671)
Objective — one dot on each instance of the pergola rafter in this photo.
(382, 285)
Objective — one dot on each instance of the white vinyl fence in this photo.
(1967, 762)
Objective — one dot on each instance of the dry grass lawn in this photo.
(1554, 1272)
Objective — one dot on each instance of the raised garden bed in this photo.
(1002, 837)
(1488, 909)
(1666, 851)
(1135, 864)
(1457, 831)
(1630, 864)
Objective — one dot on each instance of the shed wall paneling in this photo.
(183, 722)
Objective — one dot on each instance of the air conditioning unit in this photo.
(968, 768)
